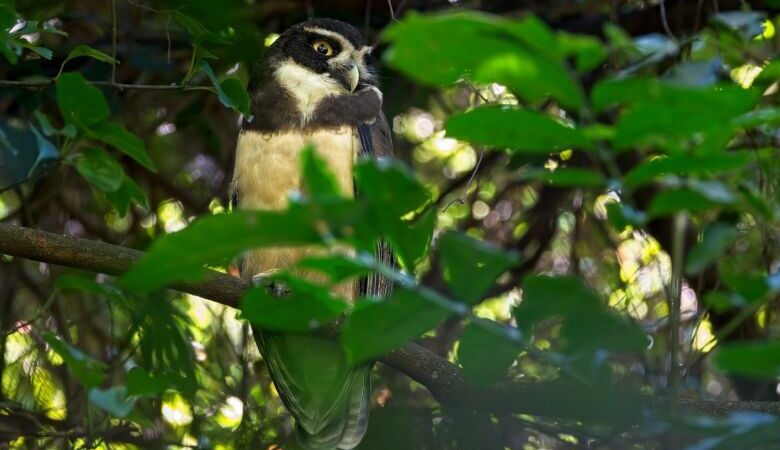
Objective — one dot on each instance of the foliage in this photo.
(624, 218)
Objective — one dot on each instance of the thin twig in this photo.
(392, 12)
(678, 248)
(113, 41)
(462, 199)
(665, 20)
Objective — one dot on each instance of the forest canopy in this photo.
(584, 204)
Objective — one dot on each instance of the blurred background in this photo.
(224, 398)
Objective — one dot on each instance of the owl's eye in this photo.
(322, 47)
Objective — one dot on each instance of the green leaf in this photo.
(717, 238)
(113, 400)
(338, 268)
(230, 92)
(621, 216)
(142, 383)
(376, 327)
(513, 128)
(65, 283)
(651, 169)
(390, 191)
(521, 54)
(570, 177)
(90, 372)
(128, 143)
(471, 266)
(412, 238)
(209, 240)
(234, 90)
(588, 51)
(587, 324)
(85, 50)
(80, 103)
(128, 193)
(749, 359)
(676, 200)
(662, 113)
(100, 169)
(305, 308)
(316, 176)
(484, 355)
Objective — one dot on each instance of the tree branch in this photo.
(147, 87)
(443, 379)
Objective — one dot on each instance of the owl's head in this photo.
(325, 51)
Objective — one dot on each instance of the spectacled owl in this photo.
(314, 86)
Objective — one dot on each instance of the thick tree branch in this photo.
(443, 379)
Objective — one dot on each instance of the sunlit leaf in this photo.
(522, 55)
(514, 128)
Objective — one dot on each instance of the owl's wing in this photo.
(377, 142)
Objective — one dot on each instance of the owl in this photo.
(314, 87)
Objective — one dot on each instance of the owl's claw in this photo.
(275, 288)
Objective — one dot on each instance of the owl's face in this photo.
(332, 53)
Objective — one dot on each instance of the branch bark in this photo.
(443, 379)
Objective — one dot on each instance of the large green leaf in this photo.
(750, 359)
(80, 103)
(391, 192)
(376, 327)
(316, 176)
(514, 128)
(100, 169)
(213, 239)
(661, 113)
(484, 355)
(128, 143)
(587, 324)
(304, 309)
(89, 371)
(471, 266)
(441, 49)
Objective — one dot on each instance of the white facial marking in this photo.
(306, 86)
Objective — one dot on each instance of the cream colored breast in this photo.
(268, 166)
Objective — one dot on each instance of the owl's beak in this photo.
(354, 77)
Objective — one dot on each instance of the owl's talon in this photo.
(275, 288)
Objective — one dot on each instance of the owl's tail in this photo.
(347, 431)
(328, 398)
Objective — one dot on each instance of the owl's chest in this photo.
(268, 165)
